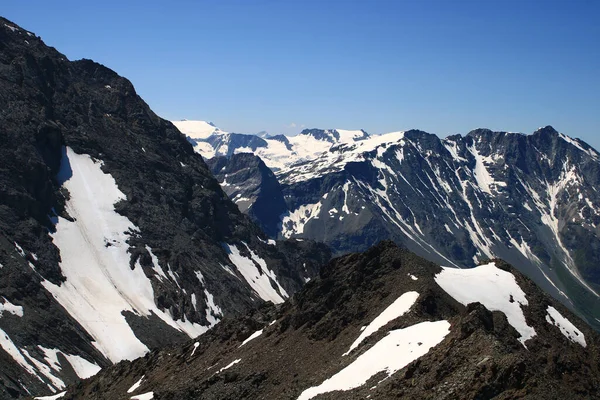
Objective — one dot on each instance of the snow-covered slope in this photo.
(100, 285)
(278, 152)
(197, 129)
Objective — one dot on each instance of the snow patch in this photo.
(251, 337)
(95, 257)
(575, 143)
(143, 396)
(7, 344)
(484, 179)
(566, 327)
(136, 385)
(195, 347)
(155, 265)
(231, 364)
(196, 129)
(82, 367)
(10, 308)
(392, 353)
(293, 222)
(496, 289)
(56, 382)
(19, 250)
(53, 397)
(395, 310)
(12, 28)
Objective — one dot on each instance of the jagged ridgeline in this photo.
(532, 200)
(385, 324)
(114, 236)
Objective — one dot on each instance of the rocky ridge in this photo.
(379, 325)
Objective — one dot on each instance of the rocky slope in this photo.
(379, 325)
(114, 236)
(529, 199)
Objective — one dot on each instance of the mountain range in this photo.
(531, 200)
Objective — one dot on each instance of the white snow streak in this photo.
(53, 397)
(257, 274)
(575, 143)
(566, 327)
(395, 310)
(144, 396)
(251, 337)
(195, 347)
(231, 364)
(136, 385)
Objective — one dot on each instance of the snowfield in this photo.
(196, 129)
(99, 284)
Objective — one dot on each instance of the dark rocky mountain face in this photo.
(529, 199)
(253, 187)
(379, 325)
(114, 236)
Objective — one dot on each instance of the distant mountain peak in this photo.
(263, 134)
(546, 130)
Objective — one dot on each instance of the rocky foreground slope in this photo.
(114, 236)
(532, 200)
(379, 325)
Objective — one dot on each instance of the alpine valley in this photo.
(133, 268)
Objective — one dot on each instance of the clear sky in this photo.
(250, 65)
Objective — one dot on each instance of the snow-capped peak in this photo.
(350, 136)
(196, 129)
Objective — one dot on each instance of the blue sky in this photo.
(442, 66)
